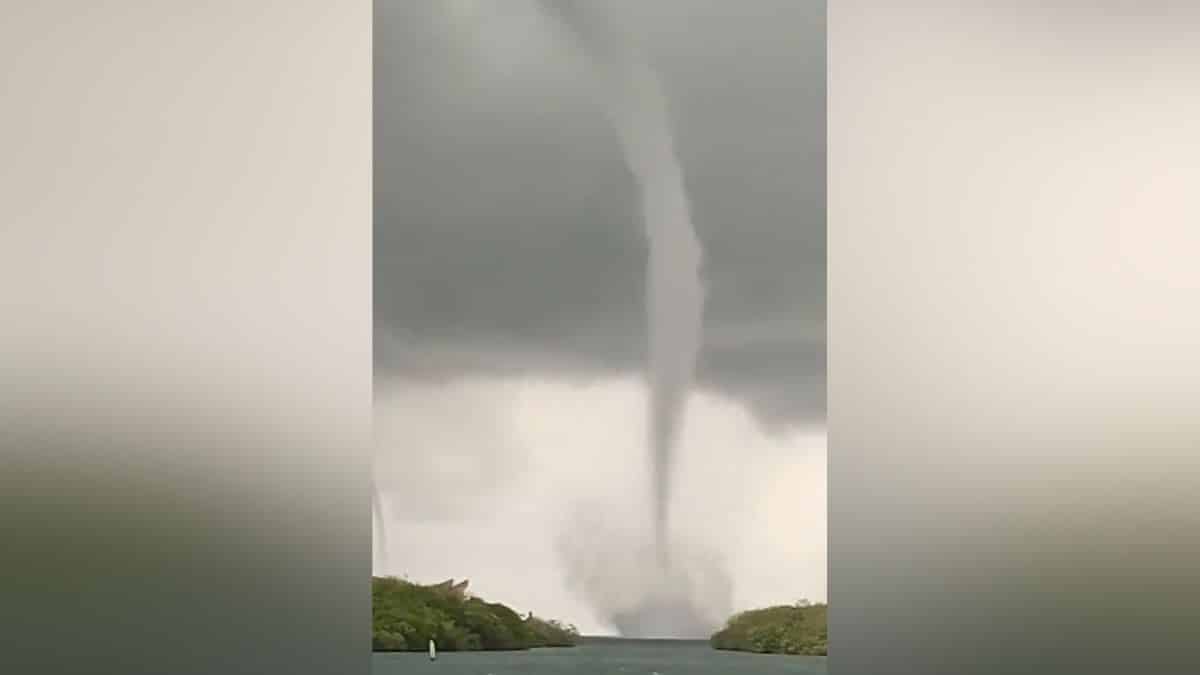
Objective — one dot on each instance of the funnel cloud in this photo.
(636, 106)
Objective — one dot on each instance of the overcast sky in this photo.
(510, 324)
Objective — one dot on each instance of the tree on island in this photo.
(405, 616)
(800, 628)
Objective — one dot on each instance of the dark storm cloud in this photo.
(508, 236)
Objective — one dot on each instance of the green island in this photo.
(406, 615)
(799, 629)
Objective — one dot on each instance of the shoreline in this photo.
(742, 650)
(459, 651)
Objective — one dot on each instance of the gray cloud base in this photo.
(507, 231)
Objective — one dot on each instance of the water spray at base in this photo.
(612, 568)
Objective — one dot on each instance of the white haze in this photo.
(569, 490)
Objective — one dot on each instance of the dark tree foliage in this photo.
(786, 629)
(405, 616)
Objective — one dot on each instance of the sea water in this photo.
(600, 657)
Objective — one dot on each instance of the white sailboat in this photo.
(432, 650)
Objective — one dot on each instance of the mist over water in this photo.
(636, 106)
(612, 565)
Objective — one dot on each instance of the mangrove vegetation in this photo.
(784, 629)
(406, 615)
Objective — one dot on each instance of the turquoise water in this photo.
(608, 657)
